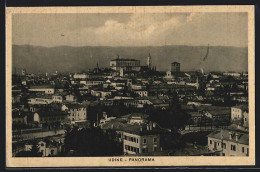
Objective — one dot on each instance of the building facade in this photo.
(135, 143)
(77, 112)
(237, 112)
(125, 64)
(42, 88)
(229, 143)
(144, 140)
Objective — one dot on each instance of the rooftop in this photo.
(244, 107)
(74, 106)
(122, 125)
(124, 60)
(52, 113)
(41, 86)
(243, 137)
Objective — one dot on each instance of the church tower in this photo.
(149, 61)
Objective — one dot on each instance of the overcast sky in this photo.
(153, 29)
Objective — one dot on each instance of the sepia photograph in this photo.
(130, 86)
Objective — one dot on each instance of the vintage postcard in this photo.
(130, 86)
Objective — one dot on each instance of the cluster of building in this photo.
(51, 102)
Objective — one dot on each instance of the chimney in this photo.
(230, 135)
(237, 136)
(141, 128)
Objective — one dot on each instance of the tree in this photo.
(92, 142)
(173, 118)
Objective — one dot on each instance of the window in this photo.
(233, 147)
(52, 151)
(42, 144)
(144, 140)
(136, 140)
(224, 145)
(143, 150)
(155, 140)
(210, 142)
(125, 137)
(155, 149)
(137, 150)
(132, 148)
(243, 149)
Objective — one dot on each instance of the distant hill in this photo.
(77, 59)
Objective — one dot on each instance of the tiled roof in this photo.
(243, 137)
(244, 107)
(74, 106)
(125, 60)
(219, 112)
(52, 113)
(118, 124)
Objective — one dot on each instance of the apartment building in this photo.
(229, 143)
(142, 140)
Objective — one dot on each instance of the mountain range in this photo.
(78, 59)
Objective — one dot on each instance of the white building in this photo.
(77, 112)
(126, 64)
(42, 88)
(57, 99)
(232, 74)
(229, 143)
(47, 149)
(80, 76)
(141, 140)
(237, 112)
(141, 93)
(70, 98)
(40, 100)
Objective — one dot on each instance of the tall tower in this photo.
(197, 83)
(97, 69)
(176, 67)
(149, 61)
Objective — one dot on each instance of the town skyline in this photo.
(77, 59)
